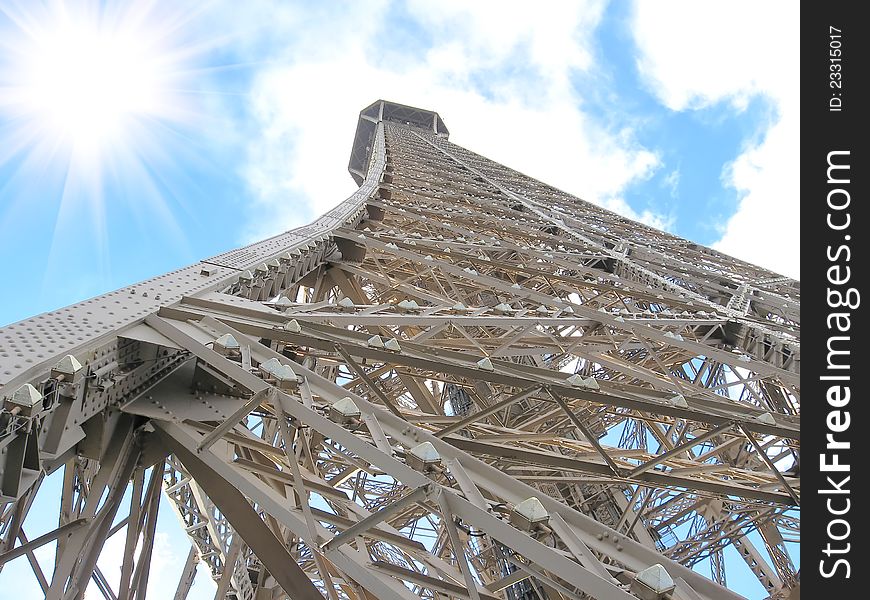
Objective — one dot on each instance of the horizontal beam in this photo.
(653, 479)
(714, 411)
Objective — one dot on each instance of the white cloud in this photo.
(493, 29)
(672, 182)
(694, 54)
(305, 109)
(647, 217)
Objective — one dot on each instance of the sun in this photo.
(106, 108)
(87, 80)
(86, 85)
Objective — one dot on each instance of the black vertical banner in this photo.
(835, 438)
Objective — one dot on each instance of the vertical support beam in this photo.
(85, 569)
(103, 585)
(132, 534)
(229, 568)
(79, 557)
(188, 574)
(139, 585)
(458, 546)
(66, 501)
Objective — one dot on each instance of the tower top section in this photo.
(382, 110)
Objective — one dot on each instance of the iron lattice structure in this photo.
(459, 383)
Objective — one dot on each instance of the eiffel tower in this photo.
(459, 383)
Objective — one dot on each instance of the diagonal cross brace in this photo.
(420, 494)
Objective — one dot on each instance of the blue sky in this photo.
(136, 138)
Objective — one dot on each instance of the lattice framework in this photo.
(644, 389)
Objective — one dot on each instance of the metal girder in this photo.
(504, 486)
(29, 546)
(187, 574)
(463, 341)
(247, 524)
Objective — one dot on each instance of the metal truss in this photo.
(460, 383)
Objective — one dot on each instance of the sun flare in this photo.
(85, 85)
(105, 106)
(86, 81)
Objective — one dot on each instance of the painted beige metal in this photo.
(497, 340)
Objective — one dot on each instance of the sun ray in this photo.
(108, 110)
(107, 97)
